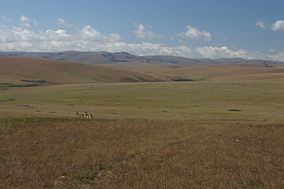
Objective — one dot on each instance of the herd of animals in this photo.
(85, 115)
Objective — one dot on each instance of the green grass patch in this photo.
(161, 100)
(4, 98)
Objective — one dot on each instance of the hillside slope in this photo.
(196, 72)
(19, 69)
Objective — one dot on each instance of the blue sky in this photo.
(191, 28)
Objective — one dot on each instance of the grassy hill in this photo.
(220, 72)
(38, 71)
(19, 69)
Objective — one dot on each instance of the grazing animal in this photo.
(84, 115)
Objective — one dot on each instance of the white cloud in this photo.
(63, 23)
(145, 33)
(226, 52)
(57, 34)
(88, 38)
(29, 39)
(195, 33)
(278, 25)
(27, 22)
(91, 34)
(114, 37)
(88, 32)
(277, 57)
(157, 49)
(260, 24)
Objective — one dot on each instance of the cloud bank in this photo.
(27, 37)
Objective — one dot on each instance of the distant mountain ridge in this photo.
(104, 57)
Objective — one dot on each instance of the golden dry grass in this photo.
(211, 72)
(72, 153)
(14, 69)
(223, 130)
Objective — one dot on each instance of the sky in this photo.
(252, 29)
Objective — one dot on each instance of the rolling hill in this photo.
(88, 67)
(35, 70)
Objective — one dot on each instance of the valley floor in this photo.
(199, 100)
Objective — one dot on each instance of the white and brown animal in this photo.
(85, 115)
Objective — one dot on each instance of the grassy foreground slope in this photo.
(72, 153)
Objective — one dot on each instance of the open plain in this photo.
(153, 125)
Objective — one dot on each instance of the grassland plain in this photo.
(250, 100)
(213, 133)
(72, 153)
